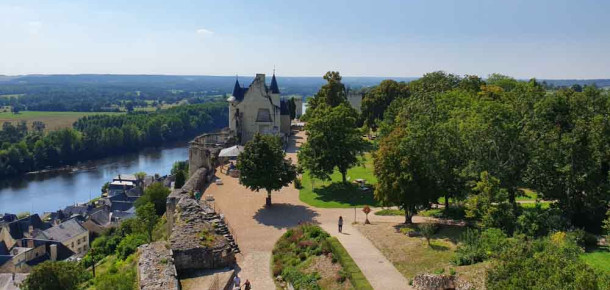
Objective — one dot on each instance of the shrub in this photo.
(298, 183)
(470, 250)
(583, 238)
(427, 230)
(130, 244)
(55, 275)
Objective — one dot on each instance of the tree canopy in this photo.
(262, 165)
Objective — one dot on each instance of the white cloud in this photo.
(205, 32)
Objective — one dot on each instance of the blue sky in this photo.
(536, 38)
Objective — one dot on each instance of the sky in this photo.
(550, 39)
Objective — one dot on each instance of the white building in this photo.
(257, 109)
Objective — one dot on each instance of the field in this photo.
(412, 255)
(599, 259)
(335, 194)
(52, 120)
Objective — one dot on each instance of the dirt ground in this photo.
(412, 255)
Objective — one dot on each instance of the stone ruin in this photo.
(440, 282)
(199, 239)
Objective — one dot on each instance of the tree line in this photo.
(102, 135)
(479, 144)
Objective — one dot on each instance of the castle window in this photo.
(263, 115)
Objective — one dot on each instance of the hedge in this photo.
(358, 279)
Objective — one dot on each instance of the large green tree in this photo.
(155, 194)
(147, 218)
(333, 141)
(55, 275)
(376, 100)
(262, 165)
(331, 94)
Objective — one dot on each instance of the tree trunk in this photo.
(268, 200)
(446, 202)
(408, 217)
(343, 175)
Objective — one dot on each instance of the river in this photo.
(50, 191)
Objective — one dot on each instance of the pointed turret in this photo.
(238, 92)
(274, 87)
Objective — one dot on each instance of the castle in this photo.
(258, 109)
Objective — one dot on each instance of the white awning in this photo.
(231, 151)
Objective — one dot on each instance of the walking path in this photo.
(256, 228)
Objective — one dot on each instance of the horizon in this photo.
(546, 39)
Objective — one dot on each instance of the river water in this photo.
(50, 191)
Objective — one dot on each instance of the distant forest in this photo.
(99, 93)
(23, 150)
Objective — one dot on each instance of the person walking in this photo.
(340, 224)
(247, 285)
(236, 282)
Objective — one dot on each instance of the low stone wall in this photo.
(439, 282)
(193, 241)
(156, 269)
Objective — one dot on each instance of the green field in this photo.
(335, 194)
(52, 120)
(599, 259)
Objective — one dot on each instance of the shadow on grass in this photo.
(282, 215)
(346, 193)
(444, 232)
(438, 247)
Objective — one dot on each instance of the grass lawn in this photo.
(598, 259)
(412, 255)
(528, 194)
(335, 194)
(52, 120)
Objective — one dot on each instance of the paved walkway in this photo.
(257, 228)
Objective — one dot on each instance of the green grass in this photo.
(543, 205)
(52, 120)
(528, 194)
(598, 259)
(391, 212)
(335, 194)
(358, 279)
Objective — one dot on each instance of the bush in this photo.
(538, 222)
(427, 230)
(55, 275)
(583, 238)
(550, 263)
(475, 246)
(130, 244)
(298, 183)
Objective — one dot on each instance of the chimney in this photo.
(53, 250)
(119, 178)
(30, 243)
(31, 230)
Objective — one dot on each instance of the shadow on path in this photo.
(283, 215)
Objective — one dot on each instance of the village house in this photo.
(70, 233)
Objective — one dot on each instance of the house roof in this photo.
(64, 231)
(275, 89)
(100, 216)
(76, 210)
(121, 206)
(239, 92)
(4, 259)
(19, 227)
(126, 177)
(3, 248)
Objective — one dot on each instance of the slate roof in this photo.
(121, 206)
(77, 210)
(3, 248)
(4, 259)
(239, 92)
(275, 89)
(8, 217)
(126, 177)
(19, 227)
(101, 216)
(63, 231)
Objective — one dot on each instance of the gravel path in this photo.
(257, 228)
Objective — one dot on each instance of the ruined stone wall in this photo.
(156, 269)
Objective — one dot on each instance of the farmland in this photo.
(52, 120)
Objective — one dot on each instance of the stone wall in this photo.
(156, 269)
(193, 241)
(439, 282)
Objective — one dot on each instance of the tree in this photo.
(180, 179)
(377, 100)
(333, 140)
(262, 165)
(427, 230)
(156, 194)
(403, 178)
(489, 205)
(55, 275)
(293, 108)
(147, 217)
(331, 94)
